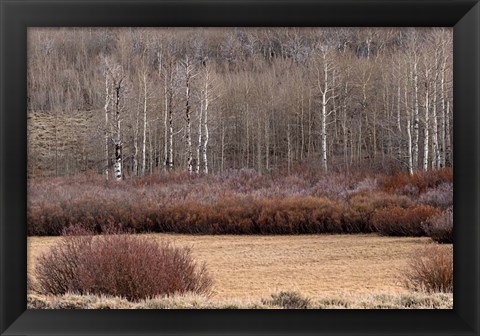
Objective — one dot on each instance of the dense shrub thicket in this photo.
(396, 221)
(242, 202)
(128, 266)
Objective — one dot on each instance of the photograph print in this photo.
(240, 168)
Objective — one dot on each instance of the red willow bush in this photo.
(124, 265)
(362, 206)
(396, 221)
(420, 181)
(430, 269)
(293, 215)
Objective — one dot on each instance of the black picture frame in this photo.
(16, 16)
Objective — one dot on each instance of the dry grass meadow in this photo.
(252, 267)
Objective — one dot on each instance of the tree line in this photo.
(133, 101)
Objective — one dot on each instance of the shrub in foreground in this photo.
(440, 227)
(128, 266)
(431, 269)
(396, 221)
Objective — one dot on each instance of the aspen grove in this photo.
(129, 102)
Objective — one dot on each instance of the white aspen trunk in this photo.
(247, 138)
(267, 142)
(324, 89)
(200, 127)
(448, 150)
(222, 162)
(409, 131)
(165, 125)
(426, 144)
(118, 160)
(118, 168)
(409, 136)
(289, 149)
(150, 151)
(135, 142)
(107, 102)
(170, 139)
(324, 130)
(144, 124)
(416, 118)
(399, 124)
(205, 125)
(170, 121)
(259, 146)
(344, 128)
(188, 135)
(436, 151)
(302, 128)
(309, 150)
(442, 114)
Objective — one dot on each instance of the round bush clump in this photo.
(440, 227)
(430, 269)
(126, 265)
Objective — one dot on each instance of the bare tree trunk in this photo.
(324, 89)
(259, 146)
(399, 124)
(409, 131)
(165, 124)
(222, 162)
(309, 124)
(107, 102)
(188, 134)
(118, 168)
(289, 149)
(324, 131)
(150, 152)
(448, 150)
(436, 151)
(427, 125)
(144, 124)
(416, 118)
(135, 140)
(170, 123)
(302, 127)
(443, 145)
(200, 127)
(205, 123)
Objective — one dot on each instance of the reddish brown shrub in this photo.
(129, 266)
(440, 227)
(420, 181)
(396, 221)
(299, 215)
(234, 202)
(362, 205)
(293, 215)
(430, 269)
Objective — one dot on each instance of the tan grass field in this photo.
(250, 267)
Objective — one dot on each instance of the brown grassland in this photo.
(252, 267)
